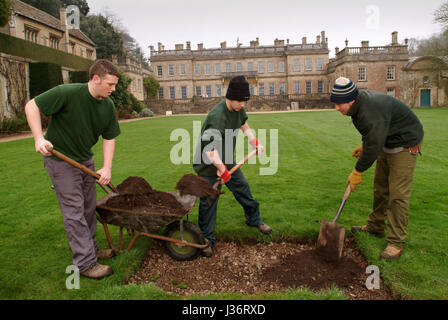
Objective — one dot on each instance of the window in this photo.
(217, 68)
(250, 66)
(270, 66)
(207, 69)
(281, 66)
(171, 70)
(183, 90)
(391, 92)
(89, 53)
(282, 87)
(239, 67)
(160, 92)
(320, 64)
(31, 33)
(296, 65)
(320, 86)
(208, 91)
(218, 90)
(54, 42)
(261, 89)
(308, 87)
(198, 91)
(390, 73)
(182, 69)
(228, 68)
(296, 87)
(308, 64)
(252, 89)
(197, 69)
(271, 88)
(260, 67)
(159, 71)
(172, 93)
(362, 74)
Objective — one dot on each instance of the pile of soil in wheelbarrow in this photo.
(135, 193)
(259, 268)
(196, 186)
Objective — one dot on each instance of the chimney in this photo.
(346, 42)
(279, 43)
(159, 46)
(151, 48)
(66, 40)
(200, 46)
(318, 40)
(322, 36)
(304, 40)
(63, 17)
(179, 46)
(336, 50)
(287, 41)
(395, 37)
(364, 44)
(224, 45)
(188, 45)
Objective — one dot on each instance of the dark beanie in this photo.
(238, 89)
(344, 90)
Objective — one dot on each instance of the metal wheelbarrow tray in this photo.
(183, 239)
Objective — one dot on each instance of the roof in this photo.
(42, 17)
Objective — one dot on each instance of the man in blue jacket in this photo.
(392, 135)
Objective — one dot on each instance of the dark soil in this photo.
(136, 194)
(196, 186)
(258, 268)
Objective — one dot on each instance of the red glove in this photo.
(225, 176)
(254, 142)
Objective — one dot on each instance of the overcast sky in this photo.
(213, 21)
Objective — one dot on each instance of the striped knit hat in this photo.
(344, 90)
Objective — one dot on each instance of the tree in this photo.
(151, 86)
(49, 6)
(5, 12)
(441, 15)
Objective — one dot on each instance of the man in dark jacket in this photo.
(391, 135)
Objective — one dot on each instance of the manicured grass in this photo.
(313, 164)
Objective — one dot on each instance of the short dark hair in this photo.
(102, 67)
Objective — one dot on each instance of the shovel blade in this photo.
(330, 242)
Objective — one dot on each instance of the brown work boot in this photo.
(97, 271)
(391, 252)
(264, 228)
(207, 252)
(105, 254)
(364, 229)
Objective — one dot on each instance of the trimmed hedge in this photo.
(27, 49)
(44, 76)
(79, 76)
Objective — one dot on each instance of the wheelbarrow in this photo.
(183, 239)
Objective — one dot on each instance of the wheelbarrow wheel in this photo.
(191, 234)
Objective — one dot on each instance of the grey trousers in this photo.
(76, 194)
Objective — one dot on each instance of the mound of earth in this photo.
(196, 186)
(258, 268)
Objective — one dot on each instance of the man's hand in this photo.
(357, 152)
(254, 142)
(354, 179)
(40, 145)
(224, 174)
(105, 174)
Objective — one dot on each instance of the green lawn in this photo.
(313, 164)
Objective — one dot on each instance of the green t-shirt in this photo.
(77, 119)
(219, 132)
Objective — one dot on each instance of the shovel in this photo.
(79, 166)
(331, 236)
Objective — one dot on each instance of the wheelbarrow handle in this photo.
(79, 166)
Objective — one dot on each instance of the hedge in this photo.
(27, 49)
(44, 76)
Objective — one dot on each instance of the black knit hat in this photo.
(238, 89)
(344, 90)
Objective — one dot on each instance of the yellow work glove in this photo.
(354, 179)
(357, 152)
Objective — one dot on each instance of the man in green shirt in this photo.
(214, 157)
(80, 113)
(391, 135)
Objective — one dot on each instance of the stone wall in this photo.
(13, 85)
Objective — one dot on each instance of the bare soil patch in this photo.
(258, 268)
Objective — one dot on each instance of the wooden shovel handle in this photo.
(238, 165)
(79, 166)
(347, 192)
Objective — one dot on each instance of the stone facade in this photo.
(137, 72)
(30, 23)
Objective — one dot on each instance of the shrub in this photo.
(146, 113)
